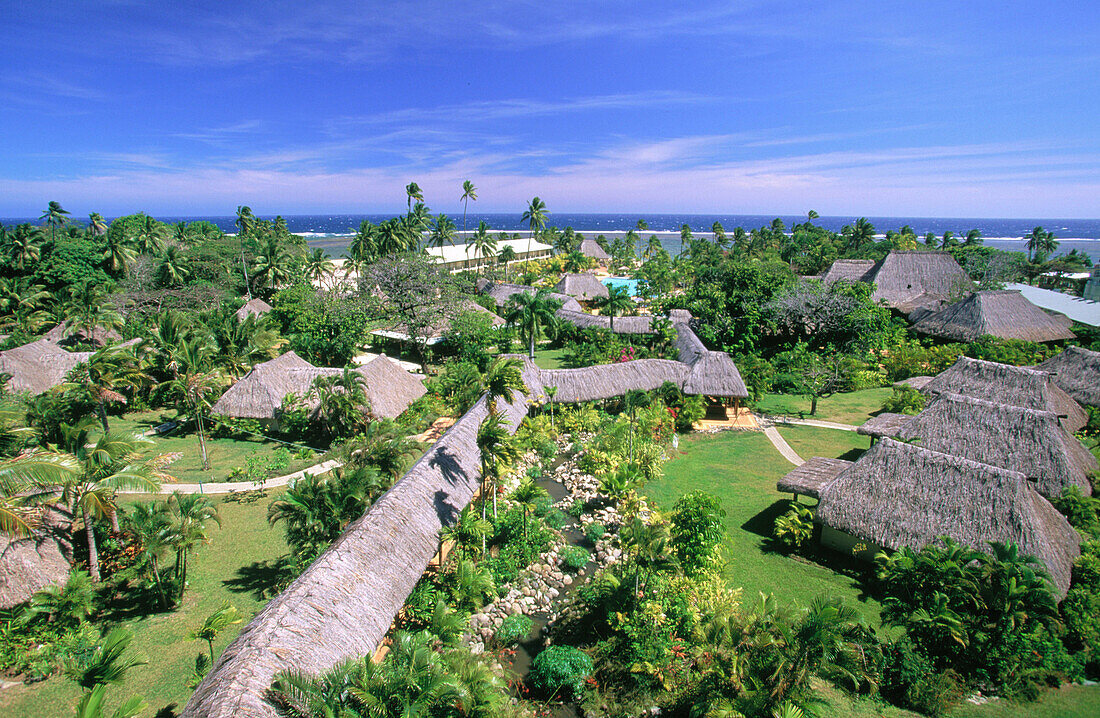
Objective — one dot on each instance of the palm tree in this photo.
(497, 452)
(685, 235)
(342, 408)
(24, 248)
(319, 267)
(506, 257)
(64, 605)
(502, 381)
(467, 532)
(948, 240)
(106, 664)
(117, 254)
(25, 481)
(485, 244)
(149, 238)
(364, 245)
(469, 192)
(413, 191)
(1040, 243)
(535, 216)
(173, 270)
(473, 585)
(103, 376)
(530, 313)
(443, 232)
(575, 262)
(392, 238)
(272, 265)
(415, 224)
(147, 522)
(617, 301)
(719, 233)
(215, 623)
(193, 381)
(105, 467)
(858, 236)
(527, 495)
(244, 222)
(96, 224)
(652, 247)
(650, 550)
(55, 217)
(189, 516)
(973, 238)
(634, 399)
(88, 310)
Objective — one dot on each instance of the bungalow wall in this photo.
(849, 545)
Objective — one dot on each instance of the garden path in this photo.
(814, 422)
(782, 446)
(230, 487)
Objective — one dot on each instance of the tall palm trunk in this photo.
(93, 554)
(202, 438)
(101, 410)
(531, 341)
(160, 587)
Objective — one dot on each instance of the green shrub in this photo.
(595, 532)
(910, 681)
(542, 506)
(574, 558)
(697, 530)
(904, 400)
(555, 518)
(547, 449)
(534, 472)
(514, 629)
(794, 528)
(576, 508)
(560, 670)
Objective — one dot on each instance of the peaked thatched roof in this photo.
(38, 366)
(255, 307)
(1010, 437)
(603, 381)
(31, 563)
(501, 293)
(100, 336)
(259, 394)
(688, 345)
(808, 478)
(584, 287)
(885, 424)
(592, 248)
(1077, 372)
(1004, 314)
(1007, 384)
(642, 324)
(899, 495)
(715, 374)
(914, 382)
(851, 270)
(344, 603)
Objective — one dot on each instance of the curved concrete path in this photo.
(782, 446)
(813, 422)
(232, 487)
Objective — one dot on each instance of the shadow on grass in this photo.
(763, 523)
(852, 454)
(130, 603)
(263, 579)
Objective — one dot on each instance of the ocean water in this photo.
(330, 231)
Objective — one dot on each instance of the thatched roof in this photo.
(1007, 384)
(501, 293)
(715, 374)
(914, 382)
(253, 307)
(885, 424)
(603, 381)
(1077, 372)
(31, 563)
(688, 345)
(1010, 437)
(1003, 314)
(584, 287)
(259, 394)
(344, 603)
(851, 270)
(642, 324)
(38, 366)
(807, 479)
(592, 248)
(899, 495)
(100, 336)
(908, 280)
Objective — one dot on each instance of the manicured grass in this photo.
(1064, 702)
(231, 568)
(741, 469)
(225, 454)
(549, 358)
(853, 407)
(810, 441)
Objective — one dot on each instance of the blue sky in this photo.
(965, 109)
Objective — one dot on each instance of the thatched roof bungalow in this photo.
(885, 424)
(259, 394)
(849, 270)
(906, 280)
(583, 287)
(1077, 372)
(31, 563)
(255, 307)
(602, 381)
(1003, 314)
(899, 495)
(1030, 441)
(38, 366)
(591, 248)
(1007, 384)
(642, 324)
(503, 292)
(342, 606)
(63, 335)
(807, 479)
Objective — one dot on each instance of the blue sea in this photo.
(330, 231)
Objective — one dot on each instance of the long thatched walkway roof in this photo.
(344, 603)
(1077, 372)
(1003, 314)
(899, 495)
(1007, 384)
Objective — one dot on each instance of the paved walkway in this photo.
(782, 446)
(813, 422)
(231, 487)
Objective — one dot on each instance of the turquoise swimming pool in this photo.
(630, 284)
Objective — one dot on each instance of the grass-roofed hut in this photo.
(592, 249)
(1007, 384)
(907, 280)
(1030, 441)
(501, 293)
(1004, 314)
(1077, 372)
(31, 563)
(255, 307)
(899, 495)
(582, 287)
(38, 366)
(641, 324)
(713, 374)
(849, 270)
(807, 479)
(603, 381)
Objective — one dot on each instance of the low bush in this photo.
(555, 518)
(560, 671)
(514, 629)
(576, 508)
(574, 558)
(595, 532)
(904, 400)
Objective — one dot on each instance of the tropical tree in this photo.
(634, 399)
(649, 547)
(719, 233)
(103, 377)
(535, 216)
(652, 247)
(272, 266)
(484, 243)
(531, 313)
(193, 381)
(527, 495)
(118, 256)
(148, 522)
(973, 238)
(96, 224)
(106, 664)
(149, 236)
(245, 222)
(949, 240)
(859, 235)
(575, 262)
(685, 236)
(189, 519)
(342, 408)
(413, 191)
(55, 217)
(25, 482)
(63, 605)
(468, 532)
(1040, 244)
(497, 452)
(502, 381)
(443, 232)
(105, 466)
(215, 623)
(617, 301)
(173, 269)
(24, 249)
(392, 238)
(469, 192)
(319, 267)
(506, 257)
(364, 245)
(88, 310)
(473, 585)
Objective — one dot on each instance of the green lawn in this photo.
(810, 441)
(224, 454)
(741, 469)
(231, 568)
(549, 358)
(1066, 702)
(853, 407)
